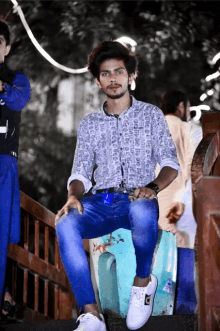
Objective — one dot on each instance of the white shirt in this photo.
(180, 132)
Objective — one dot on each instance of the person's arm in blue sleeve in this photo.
(18, 95)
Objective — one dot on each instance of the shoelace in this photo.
(84, 318)
(136, 297)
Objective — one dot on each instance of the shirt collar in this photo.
(133, 103)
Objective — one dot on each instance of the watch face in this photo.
(156, 188)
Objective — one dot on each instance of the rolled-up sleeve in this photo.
(163, 146)
(84, 158)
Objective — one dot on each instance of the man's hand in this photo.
(142, 192)
(0, 85)
(72, 202)
(176, 211)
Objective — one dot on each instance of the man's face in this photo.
(4, 49)
(113, 78)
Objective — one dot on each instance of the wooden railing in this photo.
(35, 274)
(206, 208)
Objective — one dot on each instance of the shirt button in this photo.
(119, 119)
(121, 148)
(123, 163)
(120, 134)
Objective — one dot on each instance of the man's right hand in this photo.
(72, 202)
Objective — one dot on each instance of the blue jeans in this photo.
(9, 210)
(98, 219)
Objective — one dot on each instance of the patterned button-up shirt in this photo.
(125, 148)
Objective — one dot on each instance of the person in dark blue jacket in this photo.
(14, 95)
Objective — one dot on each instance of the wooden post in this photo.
(206, 208)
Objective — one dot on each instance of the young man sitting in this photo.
(125, 139)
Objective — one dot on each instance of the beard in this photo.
(116, 96)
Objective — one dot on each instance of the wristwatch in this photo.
(4, 88)
(153, 187)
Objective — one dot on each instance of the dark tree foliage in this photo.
(176, 41)
(45, 161)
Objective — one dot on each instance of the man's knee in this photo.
(143, 209)
(68, 222)
(61, 219)
(142, 205)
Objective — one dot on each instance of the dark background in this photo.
(176, 41)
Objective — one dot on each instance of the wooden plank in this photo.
(14, 280)
(210, 122)
(26, 231)
(206, 208)
(36, 292)
(37, 265)
(56, 303)
(209, 187)
(25, 287)
(36, 237)
(201, 163)
(46, 297)
(214, 240)
(30, 316)
(216, 167)
(211, 153)
(46, 244)
(37, 210)
(216, 318)
(57, 255)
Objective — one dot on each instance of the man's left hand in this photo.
(142, 192)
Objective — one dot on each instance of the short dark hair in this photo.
(171, 100)
(4, 31)
(111, 50)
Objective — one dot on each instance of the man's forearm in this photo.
(76, 189)
(165, 177)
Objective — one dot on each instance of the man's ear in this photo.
(7, 50)
(97, 82)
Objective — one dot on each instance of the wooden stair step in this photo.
(155, 323)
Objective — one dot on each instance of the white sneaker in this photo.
(89, 322)
(141, 304)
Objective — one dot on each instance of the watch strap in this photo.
(153, 187)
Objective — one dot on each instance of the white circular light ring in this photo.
(198, 110)
(17, 8)
(210, 92)
(215, 58)
(213, 76)
(38, 46)
(127, 40)
(203, 97)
